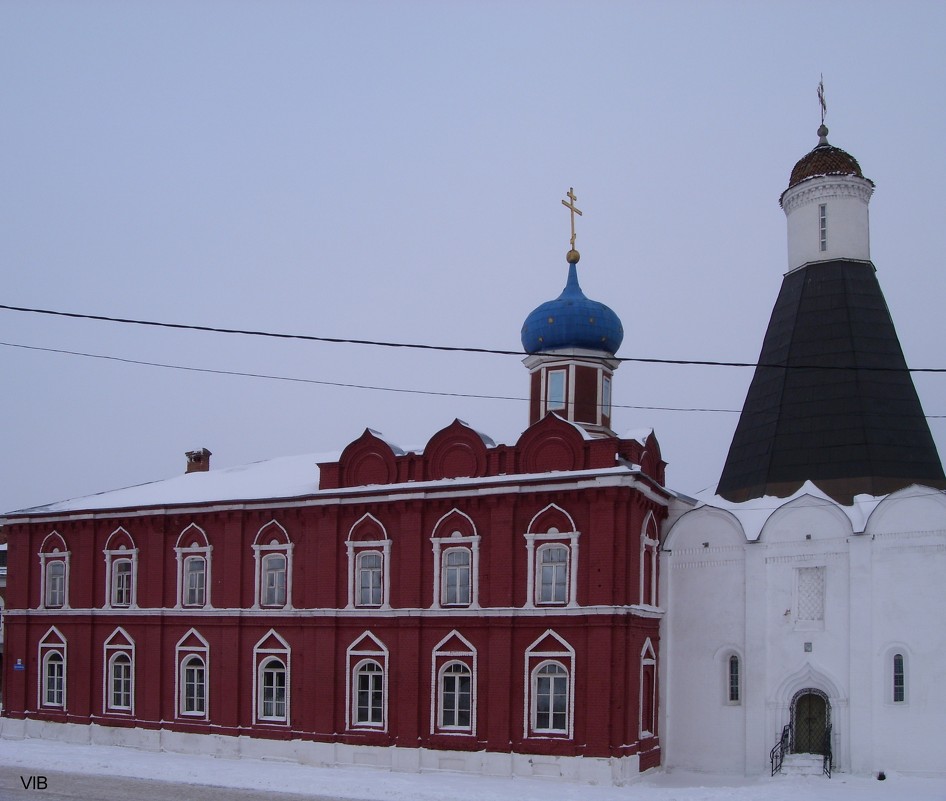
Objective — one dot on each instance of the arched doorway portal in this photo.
(811, 718)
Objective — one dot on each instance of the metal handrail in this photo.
(777, 754)
(826, 767)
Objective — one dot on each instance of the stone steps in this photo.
(803, 765)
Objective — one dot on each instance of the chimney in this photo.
(198, 461)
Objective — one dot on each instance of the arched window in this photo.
(53, 572)
(899, 680)
(274, 580)
(369, 573)
(369, 694)
(552, 575)
(455, 584)
(648, 690)
(272, 697)
(550, 698)
(55, 584)
(193, 552)
(119, 683)
(456, 685)
(733, 680)
(195, 581)
(193, 687)
(121, 582)
(54, 679)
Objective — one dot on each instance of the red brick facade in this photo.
(472, 597)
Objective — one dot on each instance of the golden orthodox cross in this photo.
(573, 209)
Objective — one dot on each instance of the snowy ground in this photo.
(34, 756)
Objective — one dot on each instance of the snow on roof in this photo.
(283, 477)
(638, 434)
(754, 513)
(487, 439)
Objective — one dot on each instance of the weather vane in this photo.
(570, 205)
(824, 106)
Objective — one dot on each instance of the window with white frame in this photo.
(552, 574)
(193, 661)
(456, 697)
(54, 573)
(606, 396)
(193, 686)
(648, 557)
(456, 585)
(274, 580)
(648, 690)
(370, 578)
(366, 684)
(272, 658)
(53, 670)
(453, 686)
(54, 679)
(195, 581)
(550, 695)
(118, 692)
(121, 582)
(55, 584)
(272, 551)
(369, 694)
(272, 700)
(552, 559)
(369, 564)
(823, 225)
(456, 561)
(119, 682)
(549, 676)
(555, 390)
(193, 567)
(121, 566)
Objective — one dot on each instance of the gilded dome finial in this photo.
(573, 255)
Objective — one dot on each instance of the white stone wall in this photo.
(816, 601)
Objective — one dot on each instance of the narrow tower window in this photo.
(899, 685)
(556, 390)
(823, 225)
(734, 679)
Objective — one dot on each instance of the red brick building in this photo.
(477, 606)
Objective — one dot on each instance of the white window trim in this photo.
(354, 547)
(354, 659)
(260, 657)
(605, 379)
(439, 660)
(534, 660)
(52, 642)
(648, 657)
(183, 653)
(456, 539)
(182, 552)
(567, 374)
(649, 548)
(49, 552)
(570, 540)
(113, 555)
(260, 552)
(110, 652)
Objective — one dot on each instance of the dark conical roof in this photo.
(848, 429)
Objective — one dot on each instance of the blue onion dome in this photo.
(572, 321)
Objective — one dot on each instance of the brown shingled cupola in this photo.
(198, 461)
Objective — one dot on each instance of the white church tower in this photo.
(804, 600)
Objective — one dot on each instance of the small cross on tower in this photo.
(570, 205)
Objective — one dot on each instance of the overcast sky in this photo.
(394, 171)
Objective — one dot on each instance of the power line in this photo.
(449, 348)
(297, 380)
